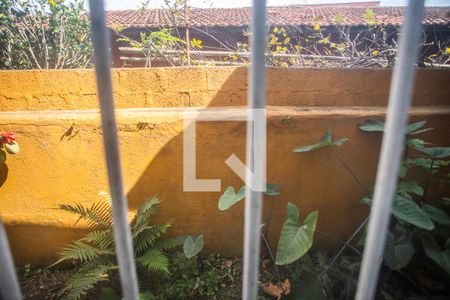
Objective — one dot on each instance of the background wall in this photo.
(54, 114)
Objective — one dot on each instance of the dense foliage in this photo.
(95, 252)
(417, 253)
(44, 34)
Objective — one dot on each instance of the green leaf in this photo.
(98, 215)
(154, 261)
(424, 163)
(326, 141)
(2, 156)
(407, 210)
(272, 190)
(143, 214)
(82, 252)
(406, 187)
(415, 126)
(403, 169)
(192, 247)
(170, 243)
(340, 142)
(81, 282)
(230, 198)
(433, 251)
(417, 144)
(372, 125)
(422, 130)
(148, 236)
(378, 126)
(436, 152)
(295, 238)
(436, 214)
(12, 148)
(398, 252)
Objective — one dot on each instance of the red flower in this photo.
(7, 137)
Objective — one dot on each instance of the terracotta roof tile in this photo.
(287, 15)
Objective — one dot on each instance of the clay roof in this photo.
(283, 15)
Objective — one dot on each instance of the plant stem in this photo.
(266, 243)
(339, 252)
(338, 240)
(363, 188)
(347, 243)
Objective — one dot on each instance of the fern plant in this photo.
(95, 252)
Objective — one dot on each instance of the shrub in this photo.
(95, 252)
(44, 34)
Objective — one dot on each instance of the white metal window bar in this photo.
(122, 233)
(9, 285)
(400, 94)
(256, 103)
(393, 138)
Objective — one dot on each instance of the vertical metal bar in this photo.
(257, 102)
(122, 233)
(392, 146)
(9, 285)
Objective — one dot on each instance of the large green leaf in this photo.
(398, 252)
(417, 144)
(407, 210)
(433, 251)
(192, 247)
(372, 125)
(406, 187)
(436, 152)
(413, 127)
(326, 141)
(295, 238)
(436, 214)
(378, 126)
(230, 197)
(423, 163)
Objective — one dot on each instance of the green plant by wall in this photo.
(157, 43)
(417, 250)
(419, 236)
(95, 252)
(420, 221)
(44, 34)
(200, 278)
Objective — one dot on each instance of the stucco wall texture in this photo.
(54, 114)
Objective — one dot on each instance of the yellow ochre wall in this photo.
(54, 114)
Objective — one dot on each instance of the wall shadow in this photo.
(312, 180)
(3, 173)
